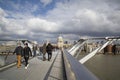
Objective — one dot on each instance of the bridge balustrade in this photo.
(74, 70)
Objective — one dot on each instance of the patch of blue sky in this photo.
(22, 6)
(44, 9)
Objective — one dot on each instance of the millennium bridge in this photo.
(81, 61)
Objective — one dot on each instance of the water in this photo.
(10, 59)
(105, 67)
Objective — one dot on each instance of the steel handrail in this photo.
(75, 70)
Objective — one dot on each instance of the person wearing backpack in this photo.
(49, 49)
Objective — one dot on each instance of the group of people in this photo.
(26, 53)
(47, 48)
(23, 52)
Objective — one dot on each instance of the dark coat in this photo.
(114, 48)
(19, 50)
(27, 52)
(49, 48)
(44, 48)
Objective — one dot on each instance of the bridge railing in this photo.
(74, 70)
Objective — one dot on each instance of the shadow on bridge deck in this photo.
(37, 70)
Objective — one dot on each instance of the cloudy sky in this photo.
(47, 19)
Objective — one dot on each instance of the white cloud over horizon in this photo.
(72, 19)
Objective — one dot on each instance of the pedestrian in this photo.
(114, 49)
(19, 52)
(117, 49)
(44, 51)
(26, 52)
(34, 50)
(40, 50)
(49, 49)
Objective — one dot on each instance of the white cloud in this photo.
(2, 12)
(34, 27)
(11, 26)
(84, 17)
(42, 25)
(46, 2)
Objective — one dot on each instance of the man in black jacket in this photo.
(19, 53)
(27, 52)
(49, 49)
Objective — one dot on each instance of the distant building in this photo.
(60, 42)
(10, 43)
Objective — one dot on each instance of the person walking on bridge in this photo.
(49, 49)
(27, 52)
(34, 50)
(44, 51)
(19, 52)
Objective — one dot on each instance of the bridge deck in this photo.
(37, 70)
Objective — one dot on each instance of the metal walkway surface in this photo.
(37, 69)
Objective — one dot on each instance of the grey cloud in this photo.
(72, 19)
(106, 24)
